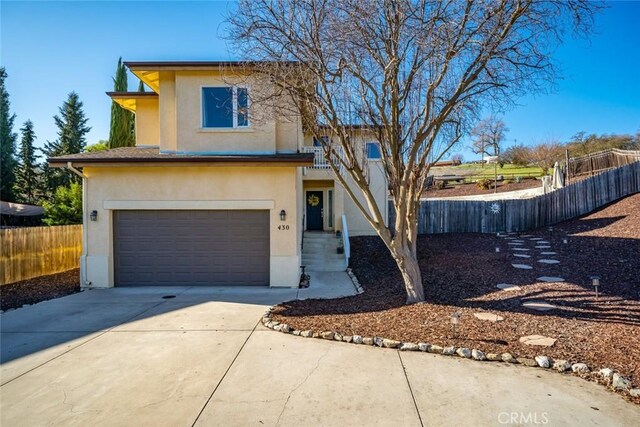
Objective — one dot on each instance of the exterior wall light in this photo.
(93, 215)
(497, 249)
(283, 215)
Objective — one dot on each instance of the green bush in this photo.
(66, 206)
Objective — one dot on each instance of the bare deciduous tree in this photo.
(488, 136)
(416, 72)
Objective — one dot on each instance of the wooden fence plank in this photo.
(36, 251)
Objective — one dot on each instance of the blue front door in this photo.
(314, 210)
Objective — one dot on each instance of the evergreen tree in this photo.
(72, 129)
(27, 186)
(121, 133)
(141, 86)
(8, 139)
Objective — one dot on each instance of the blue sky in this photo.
(52, 48)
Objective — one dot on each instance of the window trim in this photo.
(234, 101)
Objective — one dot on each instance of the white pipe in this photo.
(83, 271)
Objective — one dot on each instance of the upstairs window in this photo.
(225, 107)
(373, 150)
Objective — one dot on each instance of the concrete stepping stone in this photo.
(522, 255)
(550, 279)
(518, 241)
(549, 261)
(522, 266)
(543, 247)
(542, 242)
(515, 243)
(536, 238)
(525, 236)
(520, 249)
(538, 305)
(491, 317)
(508, 287)
(548, 253)
(539, 340)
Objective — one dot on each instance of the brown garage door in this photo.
(205, 248)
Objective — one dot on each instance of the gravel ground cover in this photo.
(461, 271)
(15, 295)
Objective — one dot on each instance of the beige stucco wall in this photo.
(147, 125)
(180, 118)
(167, 112)
(194, 188)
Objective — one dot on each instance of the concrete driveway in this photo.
(129, 357)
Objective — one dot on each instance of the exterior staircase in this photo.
(320, 252)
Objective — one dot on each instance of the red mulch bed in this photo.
(39, 289)
(460, 272)
(456, 190)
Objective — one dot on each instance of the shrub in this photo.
(506, 182)
(440, 185)
(484, 184)
(66, 206)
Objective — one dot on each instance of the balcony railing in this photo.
(319, 159)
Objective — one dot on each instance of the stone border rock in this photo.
(354, 279)
(613, 380)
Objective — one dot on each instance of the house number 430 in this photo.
(283, 227)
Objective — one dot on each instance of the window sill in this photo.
(226, 130)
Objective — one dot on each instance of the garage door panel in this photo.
(191, 247)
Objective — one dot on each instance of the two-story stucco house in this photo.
(208, 196)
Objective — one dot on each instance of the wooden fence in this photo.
(602, 160)
(36, 251)
(472, 216)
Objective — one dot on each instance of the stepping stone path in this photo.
(538, 305)
(521, 249)
(508, 287)
(550, 279)
(548, 253)
(538, 340)
(488, 316)
(549, 261)
(522, 255)
(522, 266)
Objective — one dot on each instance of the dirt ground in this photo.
(460, 273)
(39, 289)
(472, 189)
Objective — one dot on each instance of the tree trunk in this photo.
(405, 255)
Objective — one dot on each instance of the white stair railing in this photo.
(345, 239)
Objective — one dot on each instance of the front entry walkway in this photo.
(130, 356)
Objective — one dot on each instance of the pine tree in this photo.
(8, 139)
(140, 86)
(121, 133)
(28, 183)
(72, 129)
